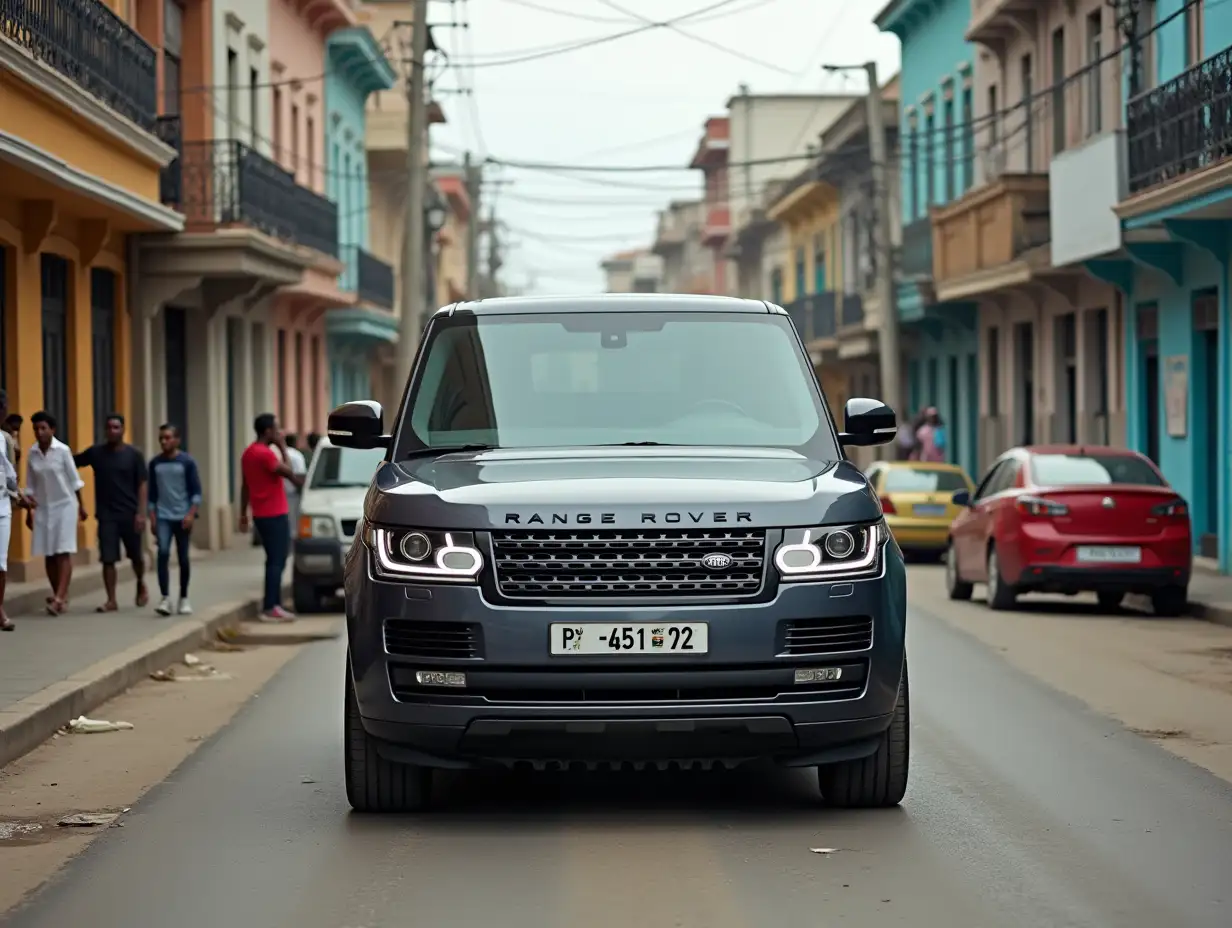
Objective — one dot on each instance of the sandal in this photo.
(107, 607)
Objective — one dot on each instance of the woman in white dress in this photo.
(54, 487)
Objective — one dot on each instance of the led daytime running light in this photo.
(382, 542)
(818, 566)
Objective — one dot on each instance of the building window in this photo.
(55, 275)
(254, 106)
(280, 390)
(930, 159)
(102, 346)
(819, 267)
(173, 29)
(1058, 91)
(951, 166)
(310, 148)
(233, 95)
(776, 286)
(913, 162)
(1095, 73)
(295, 139)
(968, 140)
(278, 150)
(994, 372)
(800, 288)
(1027, 71)
(994, 117)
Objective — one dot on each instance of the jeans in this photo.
(275, 535)
(169, 529)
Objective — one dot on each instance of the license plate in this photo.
(639, 638)
(1110, 555)
(928, 509)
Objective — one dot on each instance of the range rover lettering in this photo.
(620, 530)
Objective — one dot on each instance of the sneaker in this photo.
(277, 614)
(164, 606)
(185, 607)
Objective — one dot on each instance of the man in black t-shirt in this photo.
(120, 497)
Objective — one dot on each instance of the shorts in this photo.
(111, 535)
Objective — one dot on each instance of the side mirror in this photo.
(867, 422)
(961, 498)
(360, 424)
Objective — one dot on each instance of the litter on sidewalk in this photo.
(88, 819)
(86, 726)
(195, 670)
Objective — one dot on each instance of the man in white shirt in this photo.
(9, 495)
(295, 458)
(54, 488)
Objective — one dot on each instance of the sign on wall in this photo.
(1176, 395)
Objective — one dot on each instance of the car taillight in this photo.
(887, 506)
(1176, 508)
(1038, 506)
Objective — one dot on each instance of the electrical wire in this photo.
(568, 13)
(701, 40)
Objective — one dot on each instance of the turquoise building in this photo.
(356, 67)
(937, 151)
(1174, 264)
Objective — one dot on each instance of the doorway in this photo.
(1024, 349)
(1149, 396)
(55, 341)
(1066, 391)
(1207, 413)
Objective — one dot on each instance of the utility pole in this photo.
(891, 355)
(413, 270)
(474, 181)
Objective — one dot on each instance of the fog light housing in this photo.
(440, 678)
(818, 674)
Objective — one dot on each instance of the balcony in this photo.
(995, 23)
(1182, 126)
(223, 183)
(851, 311)
(369, 276)
(91, 46)
(815, 316)
(981, 240)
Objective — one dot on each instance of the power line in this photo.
(570, 14)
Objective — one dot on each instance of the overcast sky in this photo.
(636, 100)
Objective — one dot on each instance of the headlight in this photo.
(317, 527)
(412, 554)
(832, 552)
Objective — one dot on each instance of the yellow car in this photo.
(916, 499)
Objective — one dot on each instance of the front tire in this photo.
(1001, 595)
(374, 784)
(955, 587)
(1170, 602)
(878, 781)
(306, 598)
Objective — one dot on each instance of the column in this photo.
(241, 387)
(143, 430)
(263, 368)
(207, 421)
(80, 433)
(23, 343)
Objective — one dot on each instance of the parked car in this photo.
(917, 499)
(330, 508)
(1070, 519)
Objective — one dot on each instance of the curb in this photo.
(1219, 613)
(28, 723)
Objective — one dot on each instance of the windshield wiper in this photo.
(448, 449)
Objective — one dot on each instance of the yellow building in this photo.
(808, 273)
(79, 174)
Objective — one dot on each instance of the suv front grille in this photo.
(658, 562)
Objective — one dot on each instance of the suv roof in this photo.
(610, 302)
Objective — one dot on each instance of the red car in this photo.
(1070, 519)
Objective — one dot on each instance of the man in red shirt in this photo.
(264, 465)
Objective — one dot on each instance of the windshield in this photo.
(535, 381)
(1058, 470)
(914, 480)
(345, 467)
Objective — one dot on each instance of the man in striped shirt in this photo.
(175, 499)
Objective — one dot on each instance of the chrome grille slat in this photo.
(656, 562)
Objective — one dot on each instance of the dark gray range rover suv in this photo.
(620, 530)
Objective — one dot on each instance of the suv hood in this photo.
(619, 488)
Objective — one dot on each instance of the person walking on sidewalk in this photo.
(121, 483)
(299, 466)
(54, 486)
(264, 465)
(10, 496)
(175, 500)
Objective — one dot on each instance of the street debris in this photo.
(824, 850)
(307, 780)
(88, 819)
(196, 670)
(86, 726)
(10, 831)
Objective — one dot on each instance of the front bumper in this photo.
(522, 704)
(319, 562)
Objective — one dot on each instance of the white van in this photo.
(330, 508)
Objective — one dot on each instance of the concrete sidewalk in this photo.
(1210, 595)
(53, 668)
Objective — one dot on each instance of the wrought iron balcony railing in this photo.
(851, 313)
(374, 279)
(1182, 125)
(92, 47)
(815, 315)
(223, 183)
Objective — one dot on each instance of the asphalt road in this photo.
(1025, 809)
